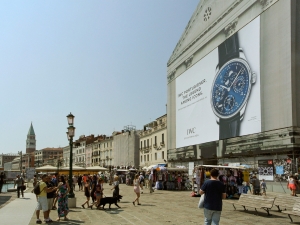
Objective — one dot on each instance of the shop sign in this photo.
(265, 169)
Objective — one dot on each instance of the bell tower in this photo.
(30, 141)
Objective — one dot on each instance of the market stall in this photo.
(235, 178)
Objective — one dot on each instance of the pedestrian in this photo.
(179, 180)
(263, 186)
(136, 189)
(93, 188)
(255, 186)
(51, 186)
(63, 190)
(1, 181)
(74, 182)
(115, 187)
(98, 193)
(147, 180)
(214, 191)
(291, 184)
(79, 180)
(87, 194)
(142, 179)
(19, 181)
(151, 182)
(42, 202)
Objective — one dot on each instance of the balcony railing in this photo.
(162, 143)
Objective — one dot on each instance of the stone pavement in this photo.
(161, 207)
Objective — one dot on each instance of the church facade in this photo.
(233, 86)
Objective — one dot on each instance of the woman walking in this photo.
(87, 194)
(63, 190)
(136, 189)
(292, 185)
(115, 187)
(98, 193)
(93, 188)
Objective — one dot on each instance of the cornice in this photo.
(171, 76)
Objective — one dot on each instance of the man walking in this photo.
(214, 191)
(42, 203)
(151, 182)
(19, 181)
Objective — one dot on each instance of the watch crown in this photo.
(253, 78)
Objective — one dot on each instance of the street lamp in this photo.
(71, 134)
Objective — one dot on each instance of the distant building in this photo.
(5, 158)
(30, 141)
(126, 147)
(46, 156)
(153, 143)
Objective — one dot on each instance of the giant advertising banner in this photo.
(214, 104)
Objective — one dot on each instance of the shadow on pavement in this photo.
(4, 199)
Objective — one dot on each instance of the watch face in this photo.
(231, 88)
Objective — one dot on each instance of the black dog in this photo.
(110, 200)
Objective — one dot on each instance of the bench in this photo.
(282, 202)
(295, 211)
(254, 201)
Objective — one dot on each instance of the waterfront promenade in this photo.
(161, 207)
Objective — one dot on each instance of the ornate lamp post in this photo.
(71, 134)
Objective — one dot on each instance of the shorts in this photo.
(263, 190)
(292, 186)
(42, 203)
(50, 203)
(98, 194)
(136, 189)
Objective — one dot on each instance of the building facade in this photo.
(233, 85)
(5, 158)
(47, 156)
(126, 147)
(153, 143)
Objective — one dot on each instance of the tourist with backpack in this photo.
(41, 191)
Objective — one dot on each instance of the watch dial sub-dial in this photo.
(229, 77)
(219, 93)
(239, 85)
(229, 103)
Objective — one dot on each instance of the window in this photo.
(163, 138)
(148, 158)
(162, 155)
(147, 142)
(144, 143)
(155, 140)
(141, 144)
(144, 158)
(141, 158)
(155, 156)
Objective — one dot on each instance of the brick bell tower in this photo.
(30, 141)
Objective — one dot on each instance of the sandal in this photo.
(82, 206)
(133, 203)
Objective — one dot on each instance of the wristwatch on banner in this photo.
(231, 87)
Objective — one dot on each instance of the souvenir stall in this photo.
(235, 179)
(166, 178)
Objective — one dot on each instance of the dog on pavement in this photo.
(110, 200)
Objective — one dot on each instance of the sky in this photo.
(103, 60)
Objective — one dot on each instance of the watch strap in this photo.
(229, 128)
(229, 49)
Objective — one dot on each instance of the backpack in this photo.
(37, 189)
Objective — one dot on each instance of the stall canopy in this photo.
(46, 168)
(73, 168)
(96, 168)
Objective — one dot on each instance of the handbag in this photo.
(23, 187)
(201, 202)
